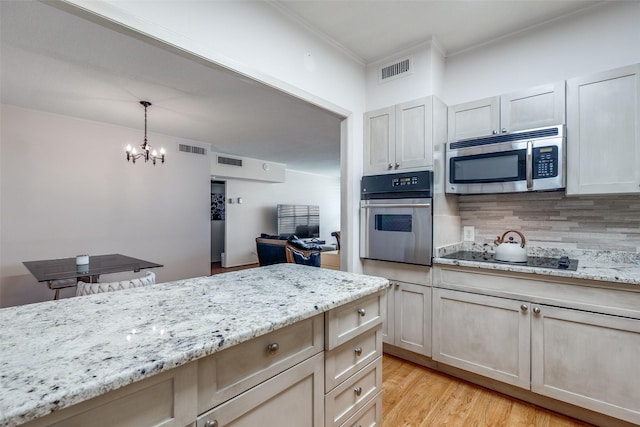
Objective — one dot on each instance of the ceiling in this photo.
(54, 61)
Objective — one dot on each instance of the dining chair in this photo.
(95, 288)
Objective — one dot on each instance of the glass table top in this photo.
(66, 268)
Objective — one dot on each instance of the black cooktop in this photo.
(560, 263)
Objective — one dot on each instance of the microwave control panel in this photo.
(545, 162)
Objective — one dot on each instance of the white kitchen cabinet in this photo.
(482, 334)
(164, 400)
(603, 132)
(292, 398)
(408, 321)
(555, 337)
(587, 359)
(401, 137)
(531, 108)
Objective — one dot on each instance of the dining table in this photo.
(62, 273)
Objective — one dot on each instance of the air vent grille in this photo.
(192, 149)
(229, 161)
(395, 70)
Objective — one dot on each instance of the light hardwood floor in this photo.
(416, 396)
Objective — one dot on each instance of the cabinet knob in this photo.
(357, 390)
(494, 132)
(273, 348)
(358, 351)
(390, 166)
(362, 312)
(536, 310)
(397, 165)
(211, 423)
(524, 308)
(504, 130)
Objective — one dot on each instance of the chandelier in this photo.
(133, 154)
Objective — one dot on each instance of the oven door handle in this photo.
(397, 205)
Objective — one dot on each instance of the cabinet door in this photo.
(388, 324)
(474, 119)
(413, 318)
(379, 141)
(482, 334)
(603, 132)
(533, 108)
(414, 134)
(292, 398)
(587, 359)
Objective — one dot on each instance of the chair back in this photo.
(305, 257)
(95, 288)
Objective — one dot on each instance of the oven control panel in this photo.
(402, 185)
(407, 180)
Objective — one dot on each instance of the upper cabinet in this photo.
(526, 109)
(401, 137)
(603, 132)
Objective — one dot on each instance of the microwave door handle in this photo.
(397, 205)
(529, 165)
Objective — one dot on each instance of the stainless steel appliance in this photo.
(532, 160)
(396, 217)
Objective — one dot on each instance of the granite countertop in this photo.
(605, 266)
(59, 353)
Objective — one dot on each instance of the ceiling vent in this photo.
(396, 70)
(229, 161)
(193, 149)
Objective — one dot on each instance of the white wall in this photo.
(601, 38)
(67, 189)
(257, 213)
(426, 78)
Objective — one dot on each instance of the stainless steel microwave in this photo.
(531, 160)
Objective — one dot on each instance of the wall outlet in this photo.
(469, 233)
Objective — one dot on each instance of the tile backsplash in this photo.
(553, 220)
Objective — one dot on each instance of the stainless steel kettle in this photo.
(510, 250)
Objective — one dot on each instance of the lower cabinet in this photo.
(583, 358)
(408, 322)
(587, 359)
(292, 398)
(482, 334)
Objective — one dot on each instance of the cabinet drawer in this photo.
(350, 357)
(369, 416)
(232, 371)
(350, 320)
(291, 398)
(350, 396)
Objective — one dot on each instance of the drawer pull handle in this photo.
(357, 391)
(273, 348)
(358, 351)
(210, 423)
(362, 312)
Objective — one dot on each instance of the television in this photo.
(301, 220)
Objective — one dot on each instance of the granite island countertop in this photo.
(598, 265)
(56, 354)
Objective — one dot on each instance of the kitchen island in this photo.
(58, 354)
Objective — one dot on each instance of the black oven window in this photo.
(394, 223)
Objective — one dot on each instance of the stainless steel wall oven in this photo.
(396, 217)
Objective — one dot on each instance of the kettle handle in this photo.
(502, 239)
